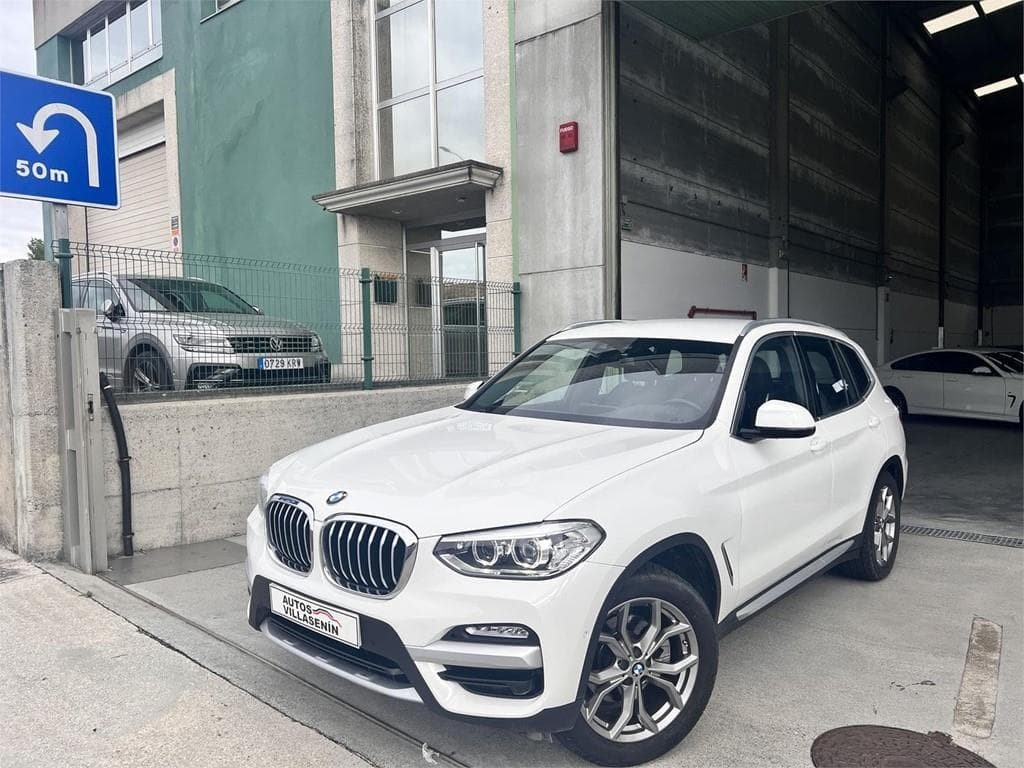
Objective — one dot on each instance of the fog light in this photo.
(499, 631)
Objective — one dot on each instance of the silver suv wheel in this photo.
(644, 670)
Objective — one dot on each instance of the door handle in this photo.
(874, 421)
(818, 445)
(952, 378)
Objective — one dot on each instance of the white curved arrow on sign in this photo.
(39, 137)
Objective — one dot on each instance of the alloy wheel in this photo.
(885, 525)
(145, 376)
(644, 670)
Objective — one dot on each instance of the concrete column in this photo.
(560, 198)
(30, 474)
(882, 325)
(778, 168)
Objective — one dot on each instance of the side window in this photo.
(774, 374)
(928, 362)
(78, 294)
(100, 292)
(830, 386)
(861, 378)
(961, 362)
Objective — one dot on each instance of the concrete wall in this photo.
(49, 17)
(704, 281)
(559, 52)
(30, 471)
(8, 516)
(195, 463)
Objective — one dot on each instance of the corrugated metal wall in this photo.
(693, 123)
(694, 176)
(834, 140)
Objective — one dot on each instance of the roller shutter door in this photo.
(143, 220)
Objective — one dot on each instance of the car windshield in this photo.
(666, 383)
(1008, 360)
(161, 294)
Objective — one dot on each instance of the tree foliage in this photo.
(36, 249)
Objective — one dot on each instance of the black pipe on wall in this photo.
(123, 460)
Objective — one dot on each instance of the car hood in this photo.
(228, 323)
(454, 470)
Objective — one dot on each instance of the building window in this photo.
(208, 8)
(126, 39)
(429, 83)
(385, 289)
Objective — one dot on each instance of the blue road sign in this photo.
(58, 142)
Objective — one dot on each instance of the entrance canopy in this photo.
(453, 192)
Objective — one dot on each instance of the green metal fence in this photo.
(191, 322)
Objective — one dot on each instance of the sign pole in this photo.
(59, 224)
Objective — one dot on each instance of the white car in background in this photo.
(562, 551)
(983, 383)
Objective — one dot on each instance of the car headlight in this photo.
(264, 492)
(316, 344)
(195, 342)
(524, 552)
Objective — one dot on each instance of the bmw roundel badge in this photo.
(337, 496)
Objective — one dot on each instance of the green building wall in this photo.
(255, 127)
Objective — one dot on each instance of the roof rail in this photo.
(584, 323)
(773, 320)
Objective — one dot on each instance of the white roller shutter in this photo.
(140, 137)
(143, 220)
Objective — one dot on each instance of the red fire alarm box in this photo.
(568, 137)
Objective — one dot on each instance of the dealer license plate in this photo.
(325, 619)
(279, 363)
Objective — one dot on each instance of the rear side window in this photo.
(827, 376)
(858, 373)
(930, 362)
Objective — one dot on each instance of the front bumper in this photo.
(404, 653)
(199, 370)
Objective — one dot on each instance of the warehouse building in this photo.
(830, 161)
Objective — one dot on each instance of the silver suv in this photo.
(165, 333)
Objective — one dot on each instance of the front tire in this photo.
(652, 674)
(881, 535)
(147, 371)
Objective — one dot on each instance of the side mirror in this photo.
(113, 312)
(257, 310)
(981, 370)
(781, 419)
(471, 389)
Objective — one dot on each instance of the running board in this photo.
(789, 583)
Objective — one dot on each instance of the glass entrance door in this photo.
(448, 305)
(464, 309)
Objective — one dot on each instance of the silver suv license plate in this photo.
(279, 363)
(325, 619)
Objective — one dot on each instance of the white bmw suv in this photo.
(562, 551)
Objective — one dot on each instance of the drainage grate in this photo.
(869, 746)
(978, 538)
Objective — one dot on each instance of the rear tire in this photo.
(147, 371)
(648, 685)
(899, 401)
(881, 534)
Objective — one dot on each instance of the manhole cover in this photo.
(876, 746)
